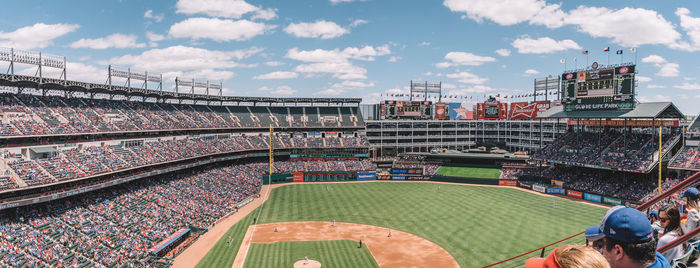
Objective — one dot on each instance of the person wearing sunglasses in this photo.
(670, 219)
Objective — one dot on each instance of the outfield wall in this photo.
(464, 180)
(572, 193)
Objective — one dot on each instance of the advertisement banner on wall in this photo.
(592, 197)
(399, 171)
(542, 106)
(557, 183)
(382, 114)
(612, 201)
(366, 176)
(574, 194)
(441, 111)
(398, 177)
(523, 110)
(298, 177)
(539, 188)
(507, 182)
(524, 185)
(555, 190)
(457, 111)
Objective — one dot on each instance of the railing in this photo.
(683, 239)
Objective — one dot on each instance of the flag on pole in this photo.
(585, 52)
(574, 59)
(634, 50)
(619, 52)
(562, 61)
(607, 49)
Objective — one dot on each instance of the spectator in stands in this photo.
(591, 238)
(670, 219)
(690, 196)
(570, 256)
(655, 224)
(628, 239)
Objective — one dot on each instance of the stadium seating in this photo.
(687, 159)
(117, 227)
(41, 115)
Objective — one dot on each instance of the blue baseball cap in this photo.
(691, 193)
(592, 233)
(623, 224)
(654, 214)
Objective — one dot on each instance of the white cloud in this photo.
(343, 87)
(689, 78)
(666, 69)
(111, 41)
(654, 86)
(542, 45)
(277, 75)
(643, 79)
(208, 74)
(448, 85)
(688, 86)
(655, 98)
(75, 71)
(464, 58)
(215, 8)
(530, 72)
(157, 17)
(394, 59)
(180, 60)
(265, 14)
(274, 63)
(424, 44)
(280, 90)
(691, 25)
(154, 38)
(336, 62)
(627, 26)
(318, 29)
(36, 36)
(503, 52)
(358, 22)
(343, 1)
(218, 29)
(503, 12)
(467, 78)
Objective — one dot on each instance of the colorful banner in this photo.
(592, 197)
(524, 185)
(398, 177)
(542, 106)
(630, 123)
(366, 176)
(399, 171)
(523, 110)
(612, 201)
(574, 194)
(440, 111)
(555, 190)
(457, 111)
(539, 188)
(508, 182)
(298, 177)
(557, 183)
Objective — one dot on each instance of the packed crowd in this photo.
(510, 173)
(688, 158)
(326, 165)
(40, 115)
(118, 226)
(70, 163)
(631, 151)
(417, 161)
(614, 184)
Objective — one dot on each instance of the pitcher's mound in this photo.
(311, 264)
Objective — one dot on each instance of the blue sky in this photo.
(370, 48)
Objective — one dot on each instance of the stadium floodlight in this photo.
(546, 84)
(114, 71)
(33, 58)
(192, 84)
(426, 88)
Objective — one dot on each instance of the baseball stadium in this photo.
(173, 160)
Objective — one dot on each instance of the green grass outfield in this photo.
(332, 253)
(477, 225)
(470, 172)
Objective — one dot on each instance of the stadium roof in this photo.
(695, 125)
(648, 110)
(92, 88)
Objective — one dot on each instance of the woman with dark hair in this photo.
(670, 219)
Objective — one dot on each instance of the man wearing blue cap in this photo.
(628, 239)
(690, 196)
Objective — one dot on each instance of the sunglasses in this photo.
(663, 219)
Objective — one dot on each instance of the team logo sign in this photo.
(569, 76)
(594, 65)
(624, 70)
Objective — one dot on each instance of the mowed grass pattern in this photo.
(470, 172)
(332, 253)
(477, 225)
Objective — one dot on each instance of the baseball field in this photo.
(470, 172)
(476, 225)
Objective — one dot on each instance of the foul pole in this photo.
(269, 176)
(660, 162)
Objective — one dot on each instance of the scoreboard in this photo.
(407, 109)
(596, 89)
